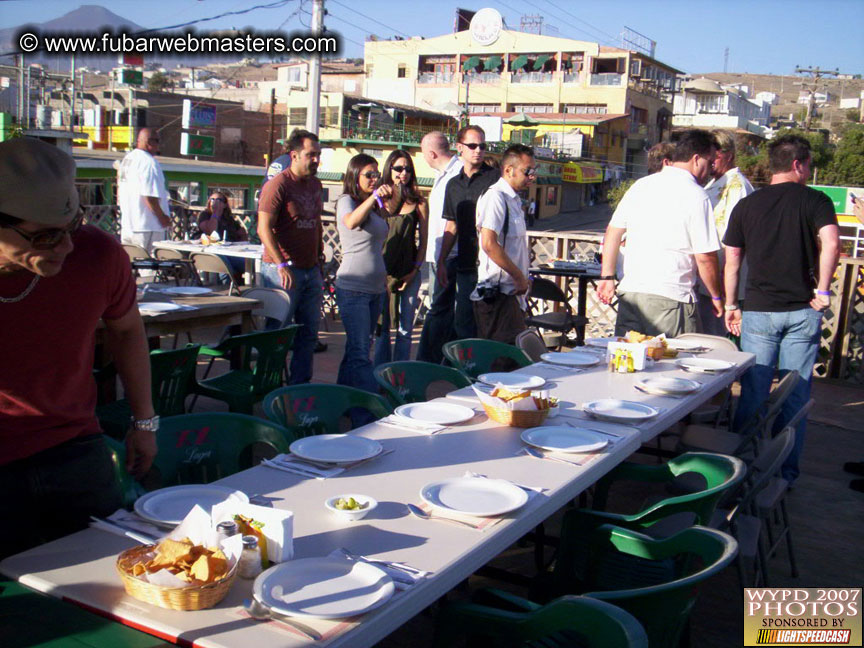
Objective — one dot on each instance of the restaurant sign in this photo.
(581, 173)
(197, 145)
(198, 115)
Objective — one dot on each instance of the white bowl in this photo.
(352, 515)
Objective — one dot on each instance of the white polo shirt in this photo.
(436, 210)
(668, 218)
(139, 175)
(492, 210)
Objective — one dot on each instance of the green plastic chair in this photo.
(201, 448)
(502, 619)
(410, 382)
(32, 620)
(171, 376)
(262, 368)
(655, 580)
(474, 356)
(312, 409)
(720, 472)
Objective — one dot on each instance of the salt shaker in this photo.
(226, 529)
(250, 559)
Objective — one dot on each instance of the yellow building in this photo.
(619, 99)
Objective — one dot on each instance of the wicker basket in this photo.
(174, 598)
(516, 418)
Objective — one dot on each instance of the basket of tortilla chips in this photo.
(186, 576)
(516, 409)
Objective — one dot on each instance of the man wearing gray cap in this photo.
(58, 279)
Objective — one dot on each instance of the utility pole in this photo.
(726, 61)
(72, 102)
(20, 94)
(811, 87)
(272, 126)
(312, 115)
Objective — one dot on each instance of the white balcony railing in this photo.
(435, 77)
(607, 79)
(531, 77)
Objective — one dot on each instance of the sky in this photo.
(763, 36)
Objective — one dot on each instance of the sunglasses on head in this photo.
(48, 239)
(400, 169)
(474, 145)
(371, 175)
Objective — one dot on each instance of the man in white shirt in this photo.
(726, 187)
(671, 238)
(142, 194)
(504, 257)
(438, 327)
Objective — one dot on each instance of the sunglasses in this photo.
(474, 145)
(530, 172)
(222, 200)
(371, 175)
(400, 169)
(48, 239)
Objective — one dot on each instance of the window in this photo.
(530, 108)
(91, 192)
(236, 195)
(605, 65)
(328, 116)
(295, 75)
(296, 116)
(479, 108)
(402, 71)
(586, 109)
(188, 192)
(710, 103)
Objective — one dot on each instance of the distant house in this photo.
(819, 98)
(771, 98)
(703, 103)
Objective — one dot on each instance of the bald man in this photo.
(142, 194)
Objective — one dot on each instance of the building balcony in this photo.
(489, 78)
(607, 79)
(390, 133)
(532, 77)
(571, 77)
(436, 78)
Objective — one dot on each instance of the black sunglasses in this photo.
(400, 169)
(48, 239)
(371, 175)
(474, 145)
(218, 199)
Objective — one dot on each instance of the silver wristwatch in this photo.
(146, 425)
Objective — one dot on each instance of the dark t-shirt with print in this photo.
(460, 204)
(777, 227)
(297, 204)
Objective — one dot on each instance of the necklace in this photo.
(27, 291)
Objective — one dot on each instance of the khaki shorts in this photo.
(501, 320)
(653, 315)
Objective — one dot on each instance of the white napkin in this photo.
(135, 522)
(414, 425)
(403, 575)
(291, 464)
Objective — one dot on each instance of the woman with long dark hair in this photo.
(217, 217)
(361, 281)
(403, 256)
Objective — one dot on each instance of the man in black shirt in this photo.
(460, 206)
(780, 230)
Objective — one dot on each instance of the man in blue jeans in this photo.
(289, 225)
(788, 233)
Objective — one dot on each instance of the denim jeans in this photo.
(306, 296)
(782, 342)
(451, 314)
(408, 300)
(359, 312)
(54, 492)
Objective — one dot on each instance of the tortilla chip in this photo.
(138, 569)
(209, 568)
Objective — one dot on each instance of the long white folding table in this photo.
(80, 567)
(249, 252)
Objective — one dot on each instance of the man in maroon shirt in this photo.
(57, 281)
(289, 225)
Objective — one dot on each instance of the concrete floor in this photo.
(826, 515)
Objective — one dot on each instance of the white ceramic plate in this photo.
(335, 448)
(474, 496)
(324, 588)
(600, 343)
(168, 506)
(512, 380)
(157, 307)
(439, 413)
(661, 385)
(684, 345)
(624, 411)
(572, 359)
(187, 290)
(564, 439)
(704, 365)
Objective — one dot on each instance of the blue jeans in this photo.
(306, 296)
(359, 312)
(782, 342)
(407, 309)
(451, 314)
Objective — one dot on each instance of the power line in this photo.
(375, 20)
(614, 39)
(272, 5)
